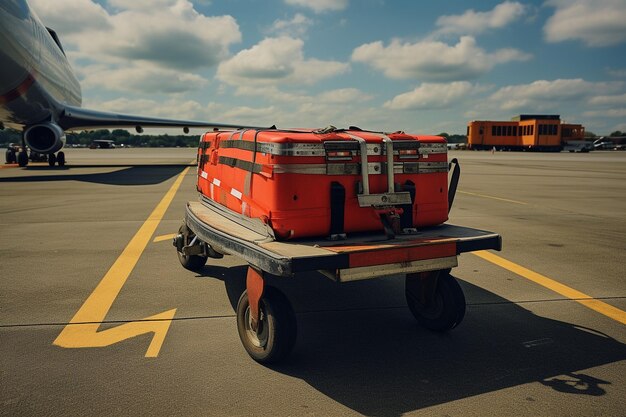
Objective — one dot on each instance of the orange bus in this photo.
(524, 132)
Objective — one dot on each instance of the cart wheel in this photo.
(447, 308)
(190, 262)
(52, 159)
(277, 329)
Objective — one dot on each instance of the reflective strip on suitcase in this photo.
(320, 149)
(374, 168)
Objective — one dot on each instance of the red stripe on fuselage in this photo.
(18, 91)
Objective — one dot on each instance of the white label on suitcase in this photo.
(217, 182)
(204, 175)
(236, 193)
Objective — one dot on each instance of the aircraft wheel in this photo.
(10, 156)
(275, 336)
(52, 159)
(446, 308)
(61, 159)
(190, 262)
(22, 159)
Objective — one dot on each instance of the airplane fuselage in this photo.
(36, 80)
(40, 94)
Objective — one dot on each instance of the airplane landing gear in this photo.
(11, 158)
(15, 154)
(22, 158)
(61, 159)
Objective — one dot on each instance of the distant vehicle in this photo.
(603, 143)
(526, 132)
(578, 146)
(614, 143)
(102, 144)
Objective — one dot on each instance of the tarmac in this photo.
(544, 333)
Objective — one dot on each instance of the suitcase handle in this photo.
(454, 181)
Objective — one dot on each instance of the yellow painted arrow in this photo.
(82, 330)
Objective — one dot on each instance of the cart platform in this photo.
(361, 256)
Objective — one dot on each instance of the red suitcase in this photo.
(311, 183)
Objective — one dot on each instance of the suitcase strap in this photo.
(337, 209)
(391, 197)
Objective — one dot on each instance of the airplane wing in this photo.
(78, 118)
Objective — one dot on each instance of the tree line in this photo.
(123, 137)
(118, 136)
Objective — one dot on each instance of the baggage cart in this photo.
(265, 319)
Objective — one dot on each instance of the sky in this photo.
(420, 66)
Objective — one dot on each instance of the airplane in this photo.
(40, 94)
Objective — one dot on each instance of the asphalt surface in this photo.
(523, 349)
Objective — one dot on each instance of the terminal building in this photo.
(538, 132)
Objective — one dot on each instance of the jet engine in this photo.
(45, 138)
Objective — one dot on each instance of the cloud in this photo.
(168, 33)
(617, 73)
(140, 79)
(611, 100)
(433, 60)
(262, 114)
(594, 22)
(68, 17)
(343, 96)
(320, 6)
(621, 112)
(543, 94)
(472, 22)
(172, 108)
(432, 96)
(295, 28)
(276, 60)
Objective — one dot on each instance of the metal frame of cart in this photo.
(265, 319)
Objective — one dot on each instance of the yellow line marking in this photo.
(493, 198)
(82, 331)
(582, 298)
(164, 237)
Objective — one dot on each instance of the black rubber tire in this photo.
(10, 156)
(277, 328)
(190, 262)
(22, 159)
(61, 159)
(447, 310)
(52, 159)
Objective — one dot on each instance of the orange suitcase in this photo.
(312, 183)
